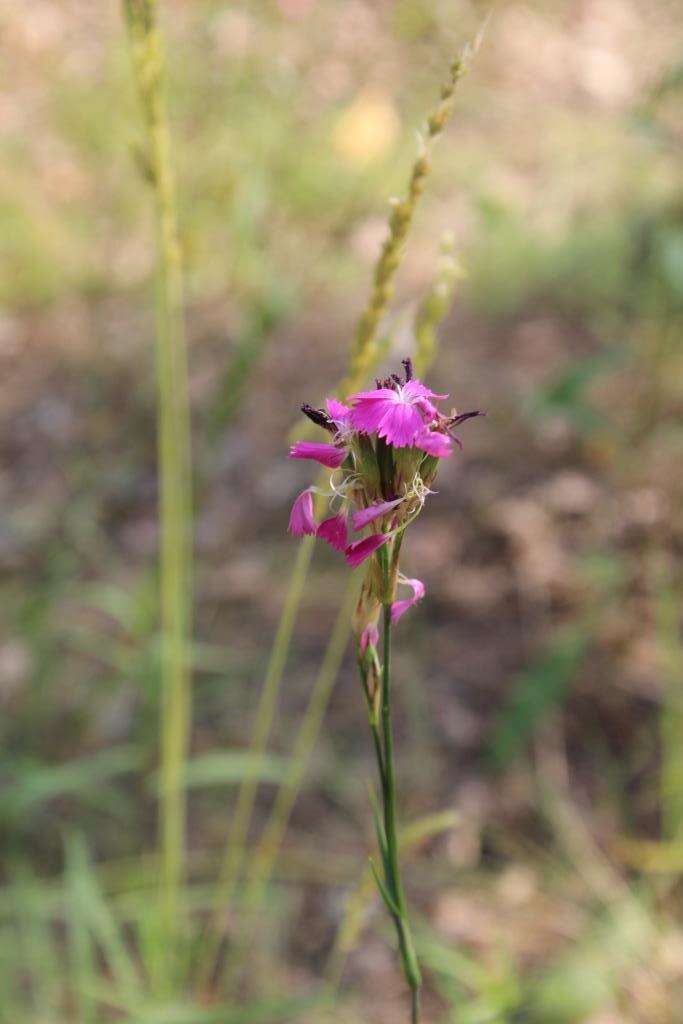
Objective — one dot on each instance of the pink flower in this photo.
(399, 608)
(362, 549)
(301, 520)
(333, 530)
(434, 443)
(397, 413)
(326, 454)
(368, 515)
(368, 637)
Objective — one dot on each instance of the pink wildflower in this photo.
(301, 520)
(395, 413)
(326, 454)
(377, 442)
(333, 530)
(368, 515)
(357, 552)
(399, 608)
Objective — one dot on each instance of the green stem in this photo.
(263, 858)
(236, 846)
(385, 761)
(173, 414)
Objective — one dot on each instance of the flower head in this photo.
(397, 413)
(384, 450)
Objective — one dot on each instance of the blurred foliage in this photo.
(548, 653)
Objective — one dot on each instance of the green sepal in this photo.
(366, 464)
(385, 461)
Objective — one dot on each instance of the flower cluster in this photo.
(384, 453)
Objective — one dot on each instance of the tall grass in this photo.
(174, 442)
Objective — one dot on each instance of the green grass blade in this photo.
(39, 958)
(34, 784)
(82, 953)
(94, 909)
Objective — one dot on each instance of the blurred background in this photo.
(538, 686)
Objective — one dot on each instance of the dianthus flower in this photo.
(385, 446)
(384, 451)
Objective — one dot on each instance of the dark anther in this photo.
(397, 380)
(407, 364)
(319, 417)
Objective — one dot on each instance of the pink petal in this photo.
(367, 416)
(429, 411)
(378, 395)
(326, 454)
(301, 521)
(399, 424)
(434, 443)
(368, 637)
(399, 608)
(333, 530)
(416, 389)
(368, 515)
(337, 410)
(362, 549)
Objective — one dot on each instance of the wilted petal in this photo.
(368, 638)
(333, 530)
(434, 443)
(368, 515)
(399, 608)
(301, 521)
(362, 549)
(326, 454)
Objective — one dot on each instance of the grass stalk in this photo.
(263, 859)
(236, 848)
(174, 443)
(434, 307)
(364, 352)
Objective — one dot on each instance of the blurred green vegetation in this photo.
(539, 681)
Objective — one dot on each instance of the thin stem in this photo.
(384, 750)
(174, 466)
(262, 861)
(236, 847)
